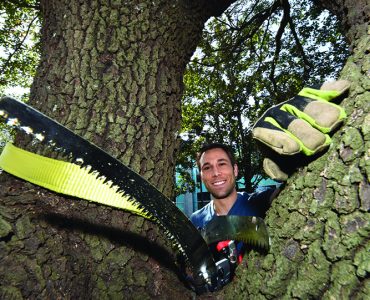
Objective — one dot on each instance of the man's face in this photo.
(217, 173)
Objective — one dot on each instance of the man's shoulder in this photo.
(205, 210)
(243, 195)
(201, 216)
(258, 193)
(252, 204)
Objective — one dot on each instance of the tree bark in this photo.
(320, 223)
(353, 16)
(110, 71)
(53, 247)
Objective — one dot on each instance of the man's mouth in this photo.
(217, 183)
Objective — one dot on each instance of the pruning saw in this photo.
(142, 197)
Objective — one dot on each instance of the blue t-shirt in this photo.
(246, 204)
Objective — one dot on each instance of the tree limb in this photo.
(279, 34)
(18, 46)
(217, 7)
(23, 4)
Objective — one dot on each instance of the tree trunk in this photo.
(113, 74)
(110, 71)
(320, 223)
(58, 248)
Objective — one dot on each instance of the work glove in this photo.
(297, 129)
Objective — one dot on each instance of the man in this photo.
(218, 171)
(297, 127)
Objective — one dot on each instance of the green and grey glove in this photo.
(299, 127)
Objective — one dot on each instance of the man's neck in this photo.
(223, 206)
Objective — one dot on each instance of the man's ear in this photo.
(236, 170)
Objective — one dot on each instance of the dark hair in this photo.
(210, 146)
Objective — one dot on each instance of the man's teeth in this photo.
(219, 182)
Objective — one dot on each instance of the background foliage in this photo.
(19, 43)
(19, 51)
(257, 54)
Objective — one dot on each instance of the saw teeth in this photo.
(27, 129)
(13, 122)
(39, 136)
(168, 234)
(79, 161)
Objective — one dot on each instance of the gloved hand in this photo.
(299, 128)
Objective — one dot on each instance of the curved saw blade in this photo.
(250, 230)
(175, 224)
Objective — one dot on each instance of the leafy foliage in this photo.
(255, 55)
(184, 183)
(19, 43)
(19, 50)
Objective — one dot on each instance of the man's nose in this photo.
(216, 172)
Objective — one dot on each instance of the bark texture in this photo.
(57, 248)
(354, 16)
(112, 72)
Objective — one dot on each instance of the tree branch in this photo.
(279, 34)
(307, 64)
(210, 8)
(287, 19)
(217, 7)
(17, 46)
(23, 4)
(255, 23)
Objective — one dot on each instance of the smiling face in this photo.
(217, 173)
